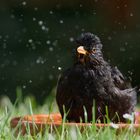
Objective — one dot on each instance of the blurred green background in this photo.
(37, 40)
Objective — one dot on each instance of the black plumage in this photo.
(92, 81)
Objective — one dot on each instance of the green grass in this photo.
(29, 106)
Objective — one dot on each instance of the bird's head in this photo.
(89, 49)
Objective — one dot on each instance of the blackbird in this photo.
(91, 81)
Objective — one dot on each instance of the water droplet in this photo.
(81, 5)
(47, 29)
(35, 8)
(130, 72)
(126, 43)
(119, 23)
(58, 60)
(50, 49)
(125, 5)
(71, 39)
(55, 43)
(51, 12)
(60, 68)
(34, 19)
(61, 21)
(48, 42)
(43, 27)
(124, 27)
(51, 77)
(40, 22)
(30, 81)
(82, 29)
(37, 61)
(30, 40)
(131, 15)
(129, 117)
(109, 38)
(33, 47)
(122, 49)
(24, 3)
(23, 86)
(40, 60)
(12, 16)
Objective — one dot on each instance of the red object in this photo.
(37, 123)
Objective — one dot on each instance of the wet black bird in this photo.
(91, 80)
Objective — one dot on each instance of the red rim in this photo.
(41, 121)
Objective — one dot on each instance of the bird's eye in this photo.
(94, 50)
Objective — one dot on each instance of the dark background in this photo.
(37, 40)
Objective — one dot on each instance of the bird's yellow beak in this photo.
(81, 50)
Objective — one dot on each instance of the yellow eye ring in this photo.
(94, 50)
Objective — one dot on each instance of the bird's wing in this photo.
(63, 92)
(71, 93)
(67, 90)
(119, 80)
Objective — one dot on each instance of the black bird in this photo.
(92, 81)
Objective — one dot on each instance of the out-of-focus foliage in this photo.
(37, 40)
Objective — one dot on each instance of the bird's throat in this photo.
(81, 58)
